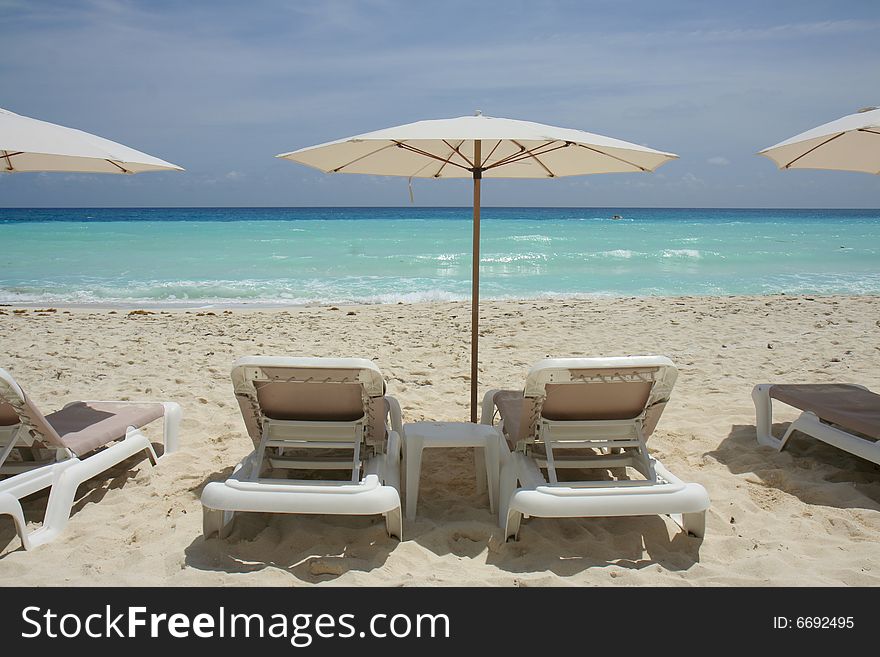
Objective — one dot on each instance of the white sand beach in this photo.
(807, 516)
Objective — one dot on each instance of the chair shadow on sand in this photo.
(91, 491)
(452, 518)
(563, 546)
(809, 469)
(313, 548)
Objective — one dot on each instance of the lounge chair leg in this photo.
(506, 487)
(211, 521)
(9, 505)
(764, 417)
(480, 468)
(691, 523)
(170, 439)
(60, 504)
(226, 525)
(511, 526)
(148, 450)
(394, 523)
(491, 455)
(413, 468)
(218, 522)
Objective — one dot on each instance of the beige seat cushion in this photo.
(84, 426)
(578, 401)
(312, 402)
(8, 415)
(848, 406)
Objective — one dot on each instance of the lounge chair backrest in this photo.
(8, 416)
(16, 407)
(310, 389)
(578, 389)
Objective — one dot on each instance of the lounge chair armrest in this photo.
(487, 412)
(395, 414)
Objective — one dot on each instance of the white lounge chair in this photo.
(307, 415)
(844, 415)
(589, 414)
(63, 449)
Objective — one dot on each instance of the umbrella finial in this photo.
(478, 113)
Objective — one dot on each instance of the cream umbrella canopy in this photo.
(28, 144)
(479, 147)
(851, 143)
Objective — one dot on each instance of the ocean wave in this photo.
(531, 238)
(424, 296)
(617, 253)
(682, 253)
(349, 290)
(513, 257)
(429, 257)
(387, 290)
(855, 284)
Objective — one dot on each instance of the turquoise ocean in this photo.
(273, 256)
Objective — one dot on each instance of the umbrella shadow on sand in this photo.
(91, 491)
(812, 471)
(312, 548)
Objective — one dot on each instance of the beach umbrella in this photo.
(851, 143)
(478, 147)
(28, 144)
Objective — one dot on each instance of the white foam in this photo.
(531, 238)
(682, 253)
(518, 257)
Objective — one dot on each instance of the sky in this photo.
(219, 87)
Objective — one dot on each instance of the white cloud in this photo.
(690, 180)
(718, 161)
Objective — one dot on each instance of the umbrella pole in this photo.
(475, 281)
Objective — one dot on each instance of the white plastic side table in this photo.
(419, 436)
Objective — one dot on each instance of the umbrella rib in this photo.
(492, 152)
(524, 154)
(519, 154)
(446, 161)
(457, 149)
(358, 159)
(451, 155)
(419, 151)
(830, 139)
(7, 155)
(118, 166)
(509, 158)
(614, 157)
(535, 158)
